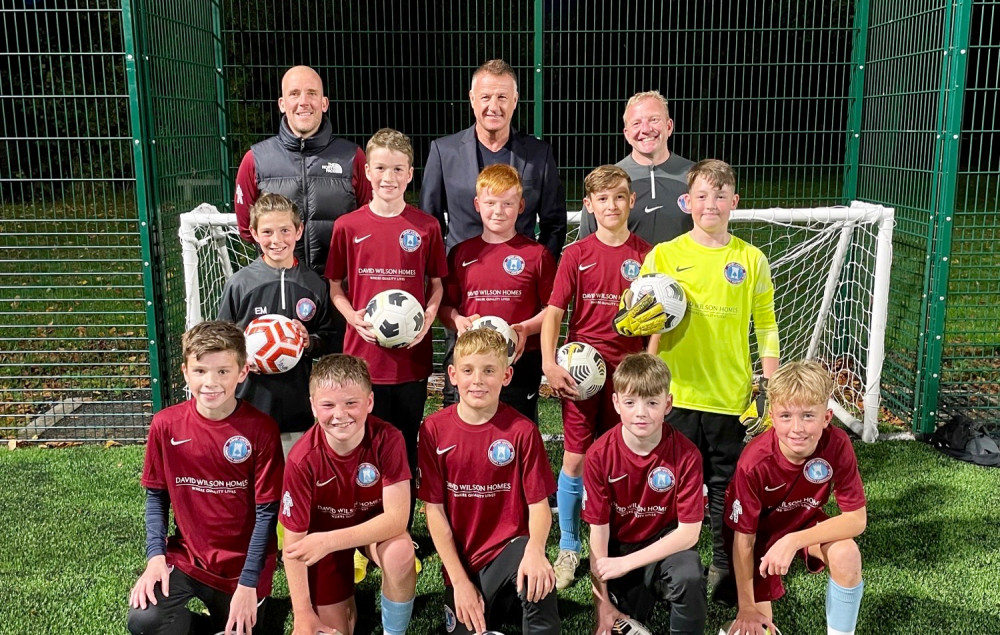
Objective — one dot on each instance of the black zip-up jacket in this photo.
(297, 293)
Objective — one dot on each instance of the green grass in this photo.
(73, 542)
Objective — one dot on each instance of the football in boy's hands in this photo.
(499, 325)
(668, 293)
(274, 344)
(396, 318)
(585, 365)
(628, 626)
(724, 630)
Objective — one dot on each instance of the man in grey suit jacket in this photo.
(449, 185)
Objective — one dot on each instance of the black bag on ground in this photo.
(967, 440)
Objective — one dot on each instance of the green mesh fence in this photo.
(929, 155)
(184, 125)
(970, 365)
(74, 362)
(116, 112)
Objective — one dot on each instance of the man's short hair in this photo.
(496, 67)
(214, 336)
(390, 140)
(270, 203)
(643, 375)
(802, 383)
(497, 179)
(646, 94)
(481, 342)
(605, 177)
(717, 173)
(339, 370)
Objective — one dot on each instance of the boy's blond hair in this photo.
(604, 178)
(802, 383)
(643, 375)
(646, 94)
(481, 342)
(497, 179)
(496, 67)
(390, 140)
(339, 370)
(214, 336)
(271, 203)
(717, 173)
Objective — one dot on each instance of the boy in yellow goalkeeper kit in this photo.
(728, 284)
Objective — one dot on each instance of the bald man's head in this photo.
(302, 100)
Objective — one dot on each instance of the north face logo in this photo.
(333, 168)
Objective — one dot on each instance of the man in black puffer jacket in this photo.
(322, 174)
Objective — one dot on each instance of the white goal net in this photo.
(830, 267)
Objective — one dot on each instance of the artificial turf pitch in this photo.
(72, 545)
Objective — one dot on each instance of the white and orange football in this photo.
(274, 345)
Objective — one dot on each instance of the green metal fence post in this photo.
(150, 278)
(859, 53)
(950, 103)
(220, 98)
(539, 58)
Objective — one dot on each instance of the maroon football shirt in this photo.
(485, 476)
(593, 276)
(326, 491)
(640, 496)
(511, 280)
(770, 496)
(215, 472)
(372, 253)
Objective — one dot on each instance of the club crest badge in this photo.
(817, 471)
(735, 273)
(305, 309)
(630, 270)
(501, 452)
(409, 240)
(367, 475)
(513, 264)
(661, 480)
(237, 449)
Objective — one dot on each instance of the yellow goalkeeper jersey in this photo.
(709, 351)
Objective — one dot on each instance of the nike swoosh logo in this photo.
(532, 395)
(175, 442)
(773, 489)
(680, 269)
(441, 451)
(326, 482)
(358, 239)
(617, 478)
(653, 209)
(585, 267)
(467, 263)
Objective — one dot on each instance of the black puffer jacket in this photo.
(315, 174)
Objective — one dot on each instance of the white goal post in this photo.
(830, 267)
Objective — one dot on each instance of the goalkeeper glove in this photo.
(646, 317)
(756, 418)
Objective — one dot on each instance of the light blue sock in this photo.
(396, 616)
(842, 606)
(569, 498)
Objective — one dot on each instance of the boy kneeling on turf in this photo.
(485, 478)
(347, 486)
(775, 502)
(217, 461)
(643, 500)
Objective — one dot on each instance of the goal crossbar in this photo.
(830, 263)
